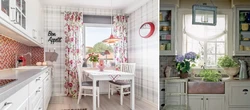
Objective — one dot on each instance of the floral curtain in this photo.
(72, 30)
(120, 31)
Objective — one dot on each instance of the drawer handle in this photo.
(38, 79)
(245, 91)
(162, 89)
(7, 105)
(201, 98)
(47, 79)
(206, 98)
(39, 90)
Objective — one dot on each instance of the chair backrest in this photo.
(80, 75)
(128, 67)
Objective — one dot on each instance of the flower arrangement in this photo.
(184, 61)
(93, 57)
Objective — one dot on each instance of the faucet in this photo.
(16, 58)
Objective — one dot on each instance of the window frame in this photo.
(229, 27)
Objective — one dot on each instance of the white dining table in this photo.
(114, 75)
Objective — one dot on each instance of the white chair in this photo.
(185, 94)
(120, 85)
(86, 85)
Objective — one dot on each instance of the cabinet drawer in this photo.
(16, 100)
(34, 84)
(39, 105)
(239, 108)
(240, 95)
(173, 87)
(35, 97)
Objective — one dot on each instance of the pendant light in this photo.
(112, 39)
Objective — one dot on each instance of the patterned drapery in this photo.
(72, 30)
(120, 31)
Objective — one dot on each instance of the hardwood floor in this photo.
(59, 103)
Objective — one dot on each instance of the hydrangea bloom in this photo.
(179, 58)
(190, 55)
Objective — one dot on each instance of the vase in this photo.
(231, 72)
(242, 17)
(183, 75)
(94, 64)
(101, 68)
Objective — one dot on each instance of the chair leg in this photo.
(109, 91)
(121, 96)
(79, 96)
(98, 98)
(112, 89)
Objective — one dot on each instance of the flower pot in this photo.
(231, 71)
(183, 75)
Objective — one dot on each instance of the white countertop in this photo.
(23, 76)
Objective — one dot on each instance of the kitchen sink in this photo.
(202, 87)
(31, 67)
(4, 82)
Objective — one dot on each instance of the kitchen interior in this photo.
(45, 51)
(204, 54)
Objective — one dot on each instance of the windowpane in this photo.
(210, 48)
(211, 60)
(220, 48)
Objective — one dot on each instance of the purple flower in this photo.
(190, 55)
(179, 58)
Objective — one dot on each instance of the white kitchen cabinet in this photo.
(175, 87)
(196, 102)
(24, 106)
(15, 101)
(167, 33)
(241, 35)
(238, 95)
(34, 20)
(206, 102)
(47, 92)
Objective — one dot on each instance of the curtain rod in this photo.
(63, 12)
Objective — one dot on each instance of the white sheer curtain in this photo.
(202, 32)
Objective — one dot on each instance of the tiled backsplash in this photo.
(8, 49)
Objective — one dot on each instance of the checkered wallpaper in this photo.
(145, 51)
(8, 49)
(54, 21)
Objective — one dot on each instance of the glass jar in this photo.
(242, 17)
(161, 17)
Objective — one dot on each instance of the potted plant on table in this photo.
(184, 63)
(230, 66)
(94, 58)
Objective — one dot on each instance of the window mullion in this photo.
(205, 53)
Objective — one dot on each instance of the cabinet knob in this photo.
(201, 98)
(206, 98)
(38, 79)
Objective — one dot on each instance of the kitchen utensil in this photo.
(243, 70)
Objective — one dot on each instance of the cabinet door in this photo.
(214, 102)
(24, 106)
(196, 103)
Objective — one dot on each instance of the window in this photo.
(94, 35)
(207, 41)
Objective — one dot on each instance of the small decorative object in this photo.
(161, 17)
(38, 63)
(243, 70)
(101, 65)
(210, 75)
(167, 71)
(44, 64)
(184, 63)
(168, 16)
(147, 29)
(93, 58)
(165, 28)
(242, 17)
(244, 26)
(162, 47)
(229, 65)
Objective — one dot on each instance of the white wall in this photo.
(54, 21)
(145, 51)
